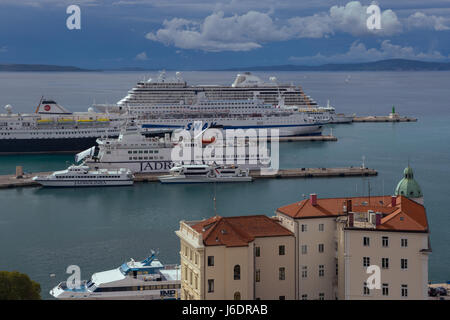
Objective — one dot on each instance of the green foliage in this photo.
(18, 286)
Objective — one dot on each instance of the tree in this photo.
(18, 286)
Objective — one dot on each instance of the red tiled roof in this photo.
(406, 215)
(238, 231)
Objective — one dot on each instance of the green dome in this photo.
(408, 187)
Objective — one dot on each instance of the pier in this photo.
(384, 119)
(10, 181)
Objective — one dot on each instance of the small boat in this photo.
(83, 176)
(200, 173)
(134, 280)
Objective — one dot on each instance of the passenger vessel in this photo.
(150, 152)
(144, 280)
(205, 174)
(52, 128)
(83, 176)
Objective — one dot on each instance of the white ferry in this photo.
(52, 128)
(83, 176)
(145, 280)
(147, 153)
(205, 174)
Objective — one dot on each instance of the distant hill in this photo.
(382, 65)
(39, 67)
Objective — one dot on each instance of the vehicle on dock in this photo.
(205, 174)
(134, 280)
(83, 176)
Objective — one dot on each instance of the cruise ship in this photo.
(149, 94)
(143, 152)
(134, 280)
(53, 128)
(231, 114)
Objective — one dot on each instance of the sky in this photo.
(208, 34)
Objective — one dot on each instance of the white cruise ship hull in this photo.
(84, 183)
(184, 179)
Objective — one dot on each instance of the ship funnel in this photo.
(51, 107)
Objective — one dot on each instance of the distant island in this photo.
(40, 67)
(382, 65)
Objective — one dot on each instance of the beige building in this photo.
(247, 257)
(338, 239)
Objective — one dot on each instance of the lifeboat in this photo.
(208, 141)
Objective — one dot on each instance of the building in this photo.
(246, 257)
(335, 248)
(338, 239)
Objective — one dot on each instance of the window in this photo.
(366, 241)
(304, 271)
(366, 290)
(304, 297)
(210, 261)
(210, 285)
(385, 263)
(366, 261)
(303, 227)
(321, 270)
(321, 296)
(237, 272)
(282, 297)
(257, 251)
(281, 250)
(404, 290)
(321, 227)
(385, 289)
(282, 275)
(404, 264)
(237, 295)
(321, 247)
(385, 242)
(258, 275)
(304, 249)
(404, 243)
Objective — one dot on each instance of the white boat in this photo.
(83, 176)
(145, 280)
(205, 174)
(153, 152)
(337, 117)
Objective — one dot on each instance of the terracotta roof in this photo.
(406, 215)
(238, 231)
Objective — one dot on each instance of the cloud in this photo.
(358, 52)
(141, 56)
(251, 30)
(420, 20)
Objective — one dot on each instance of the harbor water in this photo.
(43, 231)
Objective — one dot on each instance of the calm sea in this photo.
(42, 231)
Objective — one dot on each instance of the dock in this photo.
(384, 119)
(10, 181)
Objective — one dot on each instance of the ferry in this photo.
(53, 128)
(205, 174)
(83, 176)
(144, 280)
(147, 151)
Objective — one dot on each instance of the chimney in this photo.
(393, 201)
(313, 199)
(350, 219)
(349, 205)
(378, 219)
